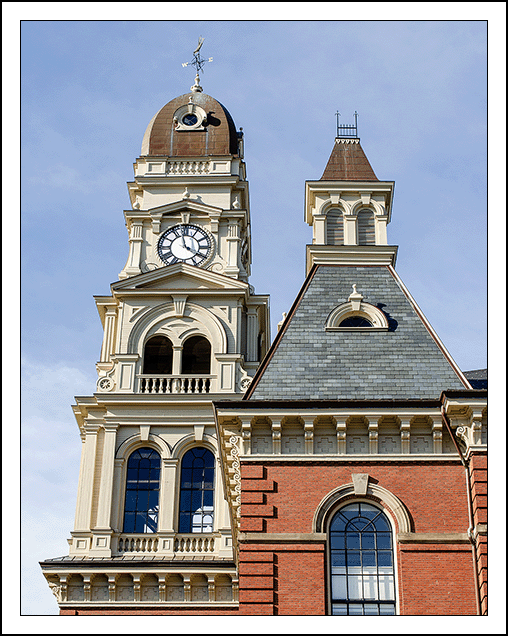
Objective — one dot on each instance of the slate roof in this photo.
(348, 162)
(477, 378)
(309, 363)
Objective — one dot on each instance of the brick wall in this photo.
(478, 480)
(289, 577)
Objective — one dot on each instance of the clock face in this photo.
(185, 244)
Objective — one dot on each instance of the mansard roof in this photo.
(309, 362)
(220, 137)
(348, 162)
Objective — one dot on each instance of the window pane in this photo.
(337, 541)
(352, 540)
(129, 522)
(353, 557)
(386, 588)
(368, 559)
(339, 589)
(339, 609)
(356, 609)
(371, 609)
(384, 541)
(368, 541)
(384, 559)
(387, 609)
(143, 500)
(354, 586)
(130, 500)
(370, 587)
(338, 558)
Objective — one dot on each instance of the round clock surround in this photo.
(185, 243)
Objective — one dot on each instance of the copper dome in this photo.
(218, 136)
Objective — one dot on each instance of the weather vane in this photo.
(198, 62)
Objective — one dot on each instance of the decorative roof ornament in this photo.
(347, 130)
(355, 299)
(198, 62)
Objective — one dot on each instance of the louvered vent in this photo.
(334, 228)
(366, 231)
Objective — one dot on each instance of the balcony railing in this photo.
(188, 544)
(195, 384)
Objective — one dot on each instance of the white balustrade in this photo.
(140, 543)
(188, 167)
(194, 543)
(196, 384)
(183, 543)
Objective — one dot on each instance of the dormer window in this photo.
(355, 321)
(356, 315)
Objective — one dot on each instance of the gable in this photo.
(179, 276)
(309, 362)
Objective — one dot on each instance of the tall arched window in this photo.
(196, 355)
(366, 228)
(361, 562)
(335, 228)
(158, 356)
(141, 510)
(196, 491)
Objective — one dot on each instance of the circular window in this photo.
(190, 119)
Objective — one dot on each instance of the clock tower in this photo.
(182, 327)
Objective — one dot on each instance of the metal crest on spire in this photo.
(347, 130)
(197, 61)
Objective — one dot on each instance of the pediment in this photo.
(177, 207)
(179, 276)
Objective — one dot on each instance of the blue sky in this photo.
(88, 92)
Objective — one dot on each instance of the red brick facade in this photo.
(289, 576)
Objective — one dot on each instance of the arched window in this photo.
(361, 562)
(141, 510)
(335, 228)
(158, 356)
(196, 355)
(355, 321)
(366, 228)
(196, 491)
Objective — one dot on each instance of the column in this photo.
(107, 473)
(252, 334)
(86, 476)
(233, 243)
(109, 333)
(350, 237)
(177, 360)
(135, 241)
(167, 501)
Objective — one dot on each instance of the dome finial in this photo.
(198, 62)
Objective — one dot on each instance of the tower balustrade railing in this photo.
(177, 384)
(185, 544)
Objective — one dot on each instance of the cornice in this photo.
(350, 255)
